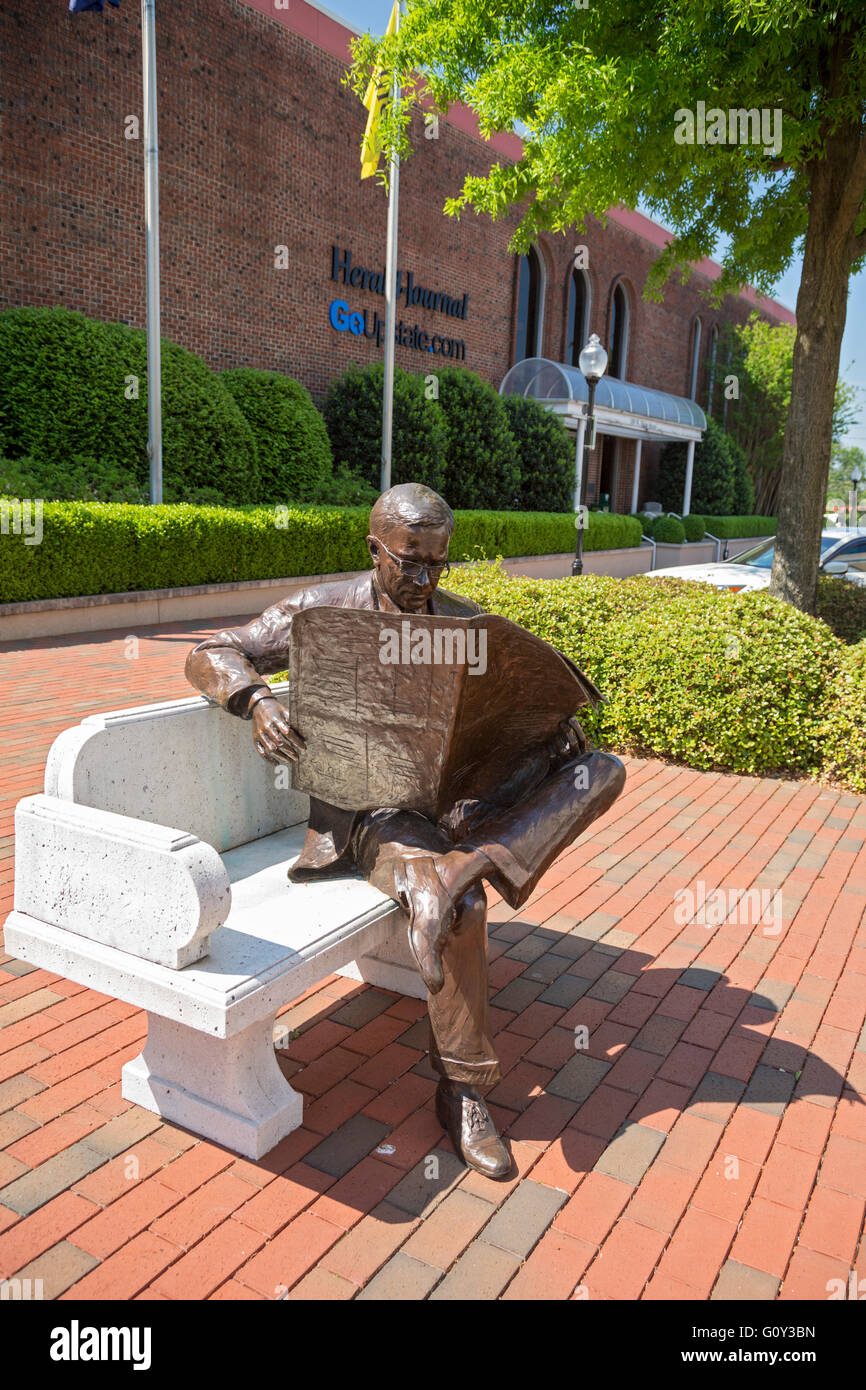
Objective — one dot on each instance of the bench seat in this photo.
(99, 891)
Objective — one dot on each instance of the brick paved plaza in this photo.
(709, 1142)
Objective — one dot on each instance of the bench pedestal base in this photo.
(230, 1090)
(389, 966)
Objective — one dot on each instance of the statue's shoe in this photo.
(431, 916)
(467, 1122)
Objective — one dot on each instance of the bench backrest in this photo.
(186, 764)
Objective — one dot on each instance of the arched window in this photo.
(696, 357)
(530, 298)
(578, 316)
(618, 333)
(711, 367)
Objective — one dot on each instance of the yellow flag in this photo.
(377, 93)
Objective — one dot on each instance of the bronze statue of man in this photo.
(434, 869)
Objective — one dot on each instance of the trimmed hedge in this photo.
(669, 530)
(736, 681)
(732, 528)
(100, 547)
(64, 381)
(294, 453)
(545, 454)
(694, 527)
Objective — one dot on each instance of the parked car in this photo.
(843, 552)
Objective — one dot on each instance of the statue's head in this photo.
(410, 527)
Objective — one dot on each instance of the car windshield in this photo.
(761, 556)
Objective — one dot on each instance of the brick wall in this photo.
(259, 147)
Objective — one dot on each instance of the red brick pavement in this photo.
(684, 1102)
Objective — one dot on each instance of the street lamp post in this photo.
(856, 475)
(593, 365)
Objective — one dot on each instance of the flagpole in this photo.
(151, 226)
(390, 304)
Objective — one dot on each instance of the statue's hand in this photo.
(571, 739)
(273, 734)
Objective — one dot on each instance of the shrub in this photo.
(668, 529)
(482, 467)
(78, 479)
(842, 606)
(712, 476)
(545, 455)
(294, 454)
(353, 417)
(744, 489)
(717, 680)
(509, 534)
(842, 735)
(98, 548)
(343, 488)
(694, 527)
(736, 527)
(63, 384)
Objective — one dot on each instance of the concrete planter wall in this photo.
(127, 612)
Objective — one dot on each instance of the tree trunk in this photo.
(835, 195)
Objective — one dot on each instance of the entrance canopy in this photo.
(622, 408)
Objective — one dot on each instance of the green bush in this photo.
(294, 454)
(694, 527)
(64, 381)
(842, 736)
(343, 488)
(78, 479)
(353, 417)
(717, 680)
(668, 529)
(712, 477)
(98, 548)
(842, 606)
(737, 527)
(482, 466)
(545, 454)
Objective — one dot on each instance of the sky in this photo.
(373, 15)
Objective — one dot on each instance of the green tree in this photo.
(758, 362)
(606, 100)
(842, 459)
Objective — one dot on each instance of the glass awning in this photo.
(557, 384)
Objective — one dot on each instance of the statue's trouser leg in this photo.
(461, 1045)
(523, 840)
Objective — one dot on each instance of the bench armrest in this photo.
(152, 891)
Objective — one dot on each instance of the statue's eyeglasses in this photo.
(410, 569)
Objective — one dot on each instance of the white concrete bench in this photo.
(154, 869)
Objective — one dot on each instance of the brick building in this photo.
(261, 206)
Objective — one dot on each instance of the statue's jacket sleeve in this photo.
(231, 664)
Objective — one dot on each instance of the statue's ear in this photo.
(373, 548)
